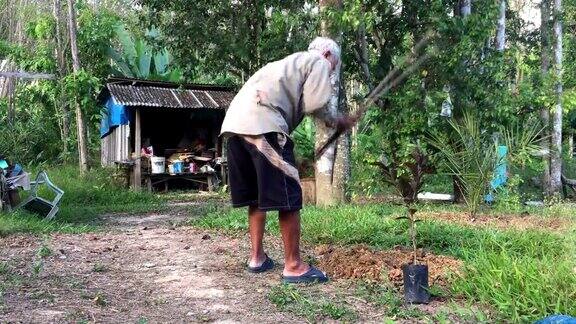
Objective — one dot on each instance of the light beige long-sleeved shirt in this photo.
(276, 98)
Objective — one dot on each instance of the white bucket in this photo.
(158, 164)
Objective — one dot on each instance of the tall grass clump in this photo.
(519, 288)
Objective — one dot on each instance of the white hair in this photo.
(325, 44)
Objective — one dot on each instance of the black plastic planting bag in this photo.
(416, 283)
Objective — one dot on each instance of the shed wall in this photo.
(116, 146)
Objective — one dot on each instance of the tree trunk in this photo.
(501, 32)
(61, 106)
(342, 167)
(59, 50)
(571, 144)
(545, 111)
(80, 122)
(331, 170)
(361, 54)
(465, 8)
(556, 152)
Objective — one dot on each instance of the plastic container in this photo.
(416, 283)
(158, 164)
(178, 166)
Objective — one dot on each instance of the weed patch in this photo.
(390, 301)
(521, 289)
(44, 251)
(98, 267)
(292, 299)
(375, 225)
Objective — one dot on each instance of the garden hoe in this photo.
(391, 80)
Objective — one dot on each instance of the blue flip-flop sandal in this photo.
(311, 276)
(268, 264)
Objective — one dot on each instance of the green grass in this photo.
(388, 298)
(44, 251)
(85, 198)
(523, 275)
(520, 288)
(99, 267)
(376, 225)
(302, 302)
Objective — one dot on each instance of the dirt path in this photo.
(156, 275)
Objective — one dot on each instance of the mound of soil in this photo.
(362, 262)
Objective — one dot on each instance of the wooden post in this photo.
(138, 151)
(210, 181)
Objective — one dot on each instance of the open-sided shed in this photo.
(169, 118)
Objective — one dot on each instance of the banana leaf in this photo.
(127, 43)
(144, 54)
(118, 63)
(161, 61)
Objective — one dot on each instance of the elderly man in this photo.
(261, 159)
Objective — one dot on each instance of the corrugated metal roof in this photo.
(150, 96)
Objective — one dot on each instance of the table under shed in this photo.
(149, 118)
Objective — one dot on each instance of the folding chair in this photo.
(35, 204)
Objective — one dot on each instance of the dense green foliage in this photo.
(42, 126)
(230, 40)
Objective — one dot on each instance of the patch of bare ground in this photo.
(151, 220)
(518, 221)
(160, 275)
(362, 262)
(377, 199)
(173, 214)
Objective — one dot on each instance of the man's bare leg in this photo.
(290, 228)
(256, 222)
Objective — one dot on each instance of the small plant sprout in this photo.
(44, 251)
(412, 221)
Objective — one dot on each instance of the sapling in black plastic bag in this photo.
(407, 177)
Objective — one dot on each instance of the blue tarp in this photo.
(500, 174)
(114, 115)
(557, 319)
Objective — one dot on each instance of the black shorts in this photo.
(262, 172)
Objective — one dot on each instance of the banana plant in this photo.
(138, 59)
